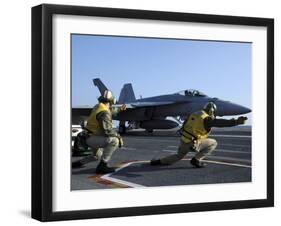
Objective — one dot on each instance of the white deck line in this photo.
(128, 148)
(162, 139)
(134, 185)
(222, 163)
(231, 151)
(229, 158)
(217, 150)
(235, 145)
(192, 153)
(220, 144)
(123, 182)
(226, 163)
(170, 151)
(236, 136)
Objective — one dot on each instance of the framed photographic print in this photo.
(145, 112)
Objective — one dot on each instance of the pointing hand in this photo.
(123, 107)
(241, 120)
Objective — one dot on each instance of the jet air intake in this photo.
(158, 124)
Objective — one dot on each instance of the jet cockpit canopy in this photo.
(191, 92)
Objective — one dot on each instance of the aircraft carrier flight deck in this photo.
(229, 163)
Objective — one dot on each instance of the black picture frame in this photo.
(42, 111)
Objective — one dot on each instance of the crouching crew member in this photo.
(194, 136)
(102, 136)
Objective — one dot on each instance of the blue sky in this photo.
(160, 66)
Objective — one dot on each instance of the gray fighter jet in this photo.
(152, 112)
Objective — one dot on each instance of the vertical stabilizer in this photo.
(127, 94)
(97, 82)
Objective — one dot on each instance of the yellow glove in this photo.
(123, 107)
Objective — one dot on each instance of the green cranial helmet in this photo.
(210, 108)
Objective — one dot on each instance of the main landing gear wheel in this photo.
(149, 130)
(122, 129)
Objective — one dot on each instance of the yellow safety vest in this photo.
(92, 122)
(194, 128)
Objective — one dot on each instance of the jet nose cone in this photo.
(228, 108)
(245, 110)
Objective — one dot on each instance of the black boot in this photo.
(77, 164)
(83, 161)
(198, 164)
(102, 168)
(155, 162)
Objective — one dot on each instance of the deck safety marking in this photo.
(236, 136)
(226, 163)
(97, 178)
(106, 179)
(235, 145)
(115, 180)
(216, 150)
(229, 158)
(176, 140)
(171, 151)
(128, 148)
(231, 151)
(221, 144)
(222, 163)
(123, 182)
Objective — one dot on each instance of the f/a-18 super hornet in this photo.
(161, 112)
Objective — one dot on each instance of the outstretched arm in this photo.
(209, 122)
(116, 110)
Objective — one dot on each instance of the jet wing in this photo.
(145, 104)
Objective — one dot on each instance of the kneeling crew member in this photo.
(102, 134)
(195, 132)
